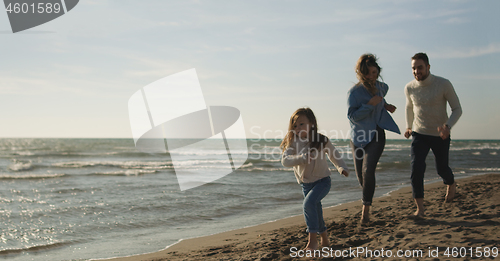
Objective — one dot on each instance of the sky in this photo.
(72, 77)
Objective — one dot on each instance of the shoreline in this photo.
(253, 238)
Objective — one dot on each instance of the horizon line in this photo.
(269, 139)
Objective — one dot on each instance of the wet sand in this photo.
(470, 224)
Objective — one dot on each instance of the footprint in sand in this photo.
(402, 233)
(409, 239)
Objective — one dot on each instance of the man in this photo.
(428, 123)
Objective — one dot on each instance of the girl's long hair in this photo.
(362, 65)
(317, 140)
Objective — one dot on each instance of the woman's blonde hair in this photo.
(316, 139)
(366, 60)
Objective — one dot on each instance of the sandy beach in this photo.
(466, 229)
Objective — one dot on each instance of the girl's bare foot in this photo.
(311, 246)
(312, 243)
(450, 192)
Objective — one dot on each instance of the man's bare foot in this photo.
(365, 222)
(415, 216)
(325, 241)
(450, 192)
(419, 213)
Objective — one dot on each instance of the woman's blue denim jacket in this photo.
(364, 118)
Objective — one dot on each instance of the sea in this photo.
(81, 199)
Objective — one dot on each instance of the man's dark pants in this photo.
(420, 146)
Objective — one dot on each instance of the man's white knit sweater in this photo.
(426, 105)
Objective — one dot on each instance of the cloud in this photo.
(484, 76)
(468, 53)
(455, 21)
(24, 85)
(79, 80)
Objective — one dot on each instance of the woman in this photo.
(368, 117)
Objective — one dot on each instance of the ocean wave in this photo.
(266, 169)
(485, 169)
(273, 200)
(69, 154)
(486, 146)
(129, 172)
(206, 152)
(33, 248)
(248, 165)
(396, 149)
(23, 153)
(31, 176)
(271, 160)
(155, 165)
(151, 166)
(120, 164)
(201, 162)
(262, 152)
(21, 166)
(404, 165)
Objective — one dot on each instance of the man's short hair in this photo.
(421, 56)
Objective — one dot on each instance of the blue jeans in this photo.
(313, 210)
(420, 146)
